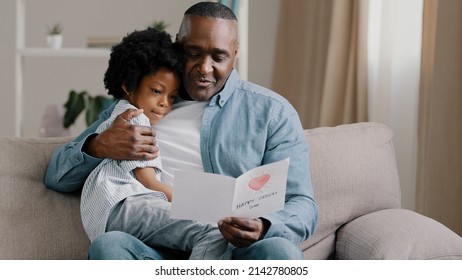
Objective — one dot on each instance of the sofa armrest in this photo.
(397, 234)
(36, 223)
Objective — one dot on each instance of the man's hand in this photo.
(242, 232)
(124, 141)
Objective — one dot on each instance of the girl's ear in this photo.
(124, 88)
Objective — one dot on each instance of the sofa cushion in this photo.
(354, 172)
(36, 223)
(397, 234)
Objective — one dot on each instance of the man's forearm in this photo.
(297, 227)
(69, 167)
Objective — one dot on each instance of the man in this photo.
(230, 127)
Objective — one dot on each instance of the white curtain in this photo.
(394, 48)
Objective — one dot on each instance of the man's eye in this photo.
(192, 54)
(219, 58)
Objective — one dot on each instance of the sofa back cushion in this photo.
(354, 172)
(35, 222)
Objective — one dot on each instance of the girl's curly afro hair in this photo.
(140, 53)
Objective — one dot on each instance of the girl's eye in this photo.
(173, 97)
(156, 91)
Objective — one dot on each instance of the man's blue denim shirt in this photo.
(243, 126)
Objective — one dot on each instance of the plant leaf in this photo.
(74, 106)
(159, 25)
(96, 105)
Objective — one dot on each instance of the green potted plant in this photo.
(54, 36)
(82, 101)
(159, 25)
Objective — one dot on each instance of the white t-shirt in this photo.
(178, 137)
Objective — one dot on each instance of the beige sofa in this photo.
(355, 182)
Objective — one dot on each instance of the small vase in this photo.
(52, 122)
(55, 41)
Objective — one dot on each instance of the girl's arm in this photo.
(147, 177)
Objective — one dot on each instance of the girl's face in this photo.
(155, 94)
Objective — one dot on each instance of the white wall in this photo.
(263, 27)
(7, 23)
(48, 80)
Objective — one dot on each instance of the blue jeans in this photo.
(116, 245)
(147, 218)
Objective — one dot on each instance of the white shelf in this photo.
(23, 52)
(65, 52)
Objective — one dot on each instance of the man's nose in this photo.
(205, 66)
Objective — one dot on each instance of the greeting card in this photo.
(210, 197)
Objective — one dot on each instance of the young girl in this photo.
(120, 195)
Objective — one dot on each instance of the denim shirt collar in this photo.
(222, 97)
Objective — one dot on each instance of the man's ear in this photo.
(236, 52)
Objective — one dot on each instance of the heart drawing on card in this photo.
(259, 182)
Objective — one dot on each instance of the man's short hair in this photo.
(211, 9)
